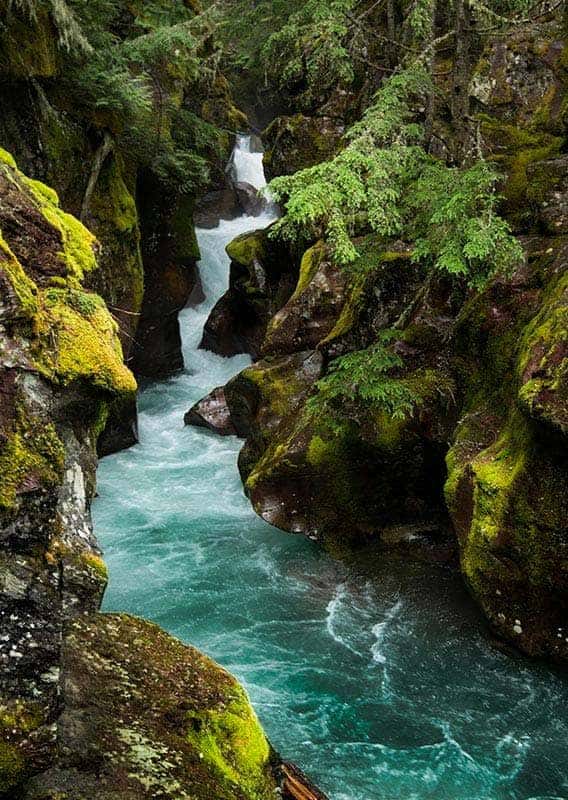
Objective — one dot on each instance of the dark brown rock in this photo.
(213, 413)
(250, 200)
(262, 277)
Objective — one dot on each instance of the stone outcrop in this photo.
(90, 704)
(262, 277)
(477, 463)
(142, 218)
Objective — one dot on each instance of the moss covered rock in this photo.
(262, 277)
(61, 365)
(295, 142)
(507, 478)
(146, 716)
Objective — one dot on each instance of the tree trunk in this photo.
(460, 106)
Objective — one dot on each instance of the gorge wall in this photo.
(90, 703)
(477, 464)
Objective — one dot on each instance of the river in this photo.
(373, 674)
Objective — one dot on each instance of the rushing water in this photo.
(373, 675)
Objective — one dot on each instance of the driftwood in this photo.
(297, 786)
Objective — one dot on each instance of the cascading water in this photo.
(376, 678)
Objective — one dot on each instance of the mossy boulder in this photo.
(263, 274)
(146, 716)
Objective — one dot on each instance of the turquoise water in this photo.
(374, 675)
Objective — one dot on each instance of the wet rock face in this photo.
(169, 274)
(479, 463)
(61, 365)
(262, 278)
(507, 478)
(250, 201)
(213, 413)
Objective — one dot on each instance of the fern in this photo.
(361, 381)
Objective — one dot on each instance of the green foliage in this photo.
(361, 381)
(454, 216)
(128, 77)
(310, 49)
(384, 180)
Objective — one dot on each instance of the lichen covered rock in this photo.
(146, 716)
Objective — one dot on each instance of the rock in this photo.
(170, 275)
(548, 191)
(262, 277)
(146, 716)
(61, 368)
(213, 413)
(250, 201)
(215, 206)
(296, 142)
(121, 429)
(312, 311)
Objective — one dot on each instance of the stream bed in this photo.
(374, 675)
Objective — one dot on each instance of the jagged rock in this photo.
(213, 413)
(262, 277)
(61, 367)
(250, 201)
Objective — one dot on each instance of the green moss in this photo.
(515, 149)
(86, 347)
(542, 367)
(12, 767)
(309, 265)
(24, 288)
(231, 742)
(33, 451)
(78, 243)
(20, 716)
(95, 563)
(278, 385)
(247, 248)
(6, 158)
